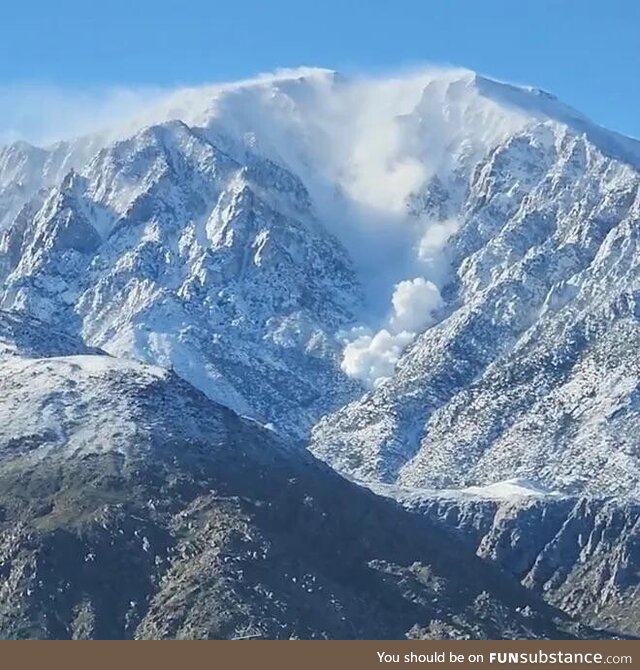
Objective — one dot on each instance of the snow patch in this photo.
(507, 490)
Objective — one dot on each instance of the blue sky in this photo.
(585, 51)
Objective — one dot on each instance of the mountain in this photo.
(433, 274)
(166, 249)
(132, 506)
(429, 280)
(529, 369)
(579, 553)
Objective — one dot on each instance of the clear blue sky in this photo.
(585, 51)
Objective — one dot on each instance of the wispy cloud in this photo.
(43, 114)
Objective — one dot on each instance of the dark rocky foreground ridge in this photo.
(131, 506)
(580, 554)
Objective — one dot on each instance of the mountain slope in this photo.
(168, 250)
(530, 371)
(133, 506)
(580, 554)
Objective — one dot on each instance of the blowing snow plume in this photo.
(364, 147)
(372, 358)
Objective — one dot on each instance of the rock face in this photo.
(581, 554)
(131, 506)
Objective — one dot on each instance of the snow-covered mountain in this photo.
(163, 247)
(435, 274)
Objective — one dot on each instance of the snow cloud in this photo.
(372, 357)
(434, 239)
(43, 114)
(414, 301)
(379, 166)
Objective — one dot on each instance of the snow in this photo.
(507, 490)
(414, 302)
(80, 366)
(39, 402)
(372, 358)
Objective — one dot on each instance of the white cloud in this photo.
(434, 239)
(372, 358)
